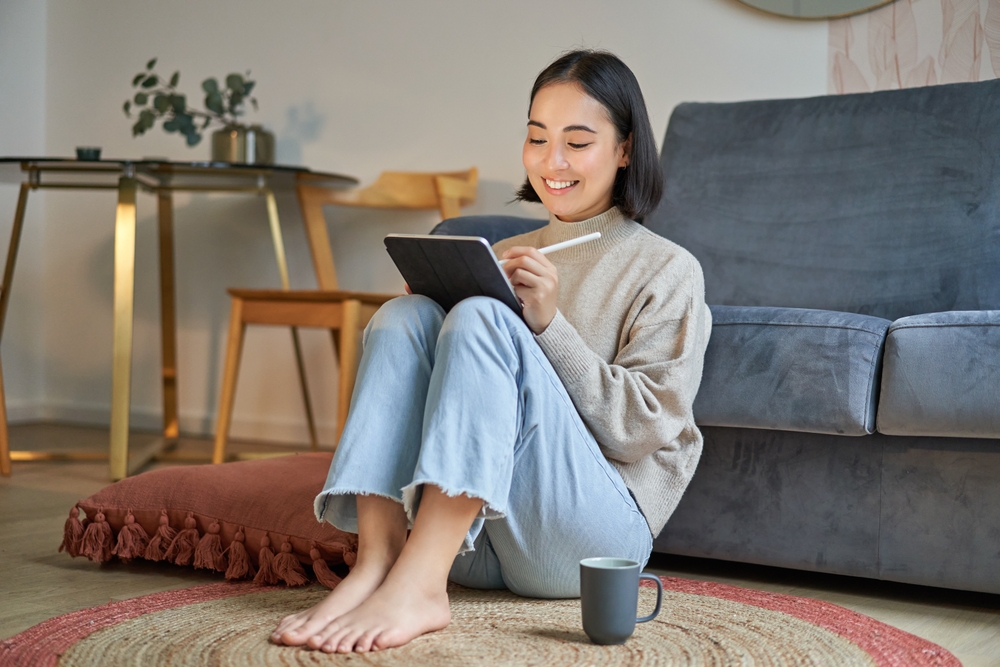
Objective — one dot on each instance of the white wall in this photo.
(348, 87)
(22, 132)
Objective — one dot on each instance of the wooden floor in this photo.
(38, 583)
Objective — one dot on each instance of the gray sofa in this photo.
(851, 395)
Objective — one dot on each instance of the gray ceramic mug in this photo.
(609, 598)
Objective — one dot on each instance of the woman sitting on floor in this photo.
(524, 446)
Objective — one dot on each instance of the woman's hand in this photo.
(536, 283)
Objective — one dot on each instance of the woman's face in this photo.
(572, 153)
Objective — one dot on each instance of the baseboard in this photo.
(265, 429)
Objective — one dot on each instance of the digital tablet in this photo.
(450, 268)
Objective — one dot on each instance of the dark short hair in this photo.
(602, 75)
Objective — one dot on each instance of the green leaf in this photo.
(127, 108)
(141, 98)
(193, 138)
(174, 79)
(138, 128)
(234, 82)
(206, 123)
(235, 100)
(161, 103)
(248, 86)
(210, 85)
(147, 118)
(213, 102)
(253, 101)
(150, 81)
(179, 103)
(138, 77)
(151, 64)
(186, 122)
(171, 125)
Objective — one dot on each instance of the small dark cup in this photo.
(609, 598)
(88, 153)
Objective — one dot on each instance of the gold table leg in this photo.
(279, 251)
(4, 441)
(15, 242)
(8, 278)
(121, 373)
(168, 318)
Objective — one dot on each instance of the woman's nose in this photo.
(556, 158)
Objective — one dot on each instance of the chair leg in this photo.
(234, 350)
(350, 335)
(4, 442)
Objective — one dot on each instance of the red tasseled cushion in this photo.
(270, 498)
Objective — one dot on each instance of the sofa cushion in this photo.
(493, 228)
(791, 369)
(884, 203)
(942, 375)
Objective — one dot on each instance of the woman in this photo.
(526, 445)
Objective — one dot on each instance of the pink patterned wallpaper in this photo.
(915, 43)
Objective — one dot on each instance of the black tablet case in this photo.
(450, 268)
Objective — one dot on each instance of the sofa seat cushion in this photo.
(942, 375)
(791, 369)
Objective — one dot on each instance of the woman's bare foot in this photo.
(402, 609)
(296, 629)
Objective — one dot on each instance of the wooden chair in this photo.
(346, 314)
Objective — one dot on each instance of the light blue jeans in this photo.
(468, 402)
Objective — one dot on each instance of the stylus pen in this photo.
(565, 244)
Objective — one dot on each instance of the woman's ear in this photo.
(626, 149)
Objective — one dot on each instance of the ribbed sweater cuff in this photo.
(565, 349)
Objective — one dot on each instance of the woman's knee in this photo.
(407, 312)
(481, 311)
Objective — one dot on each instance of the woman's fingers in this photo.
(536, 283)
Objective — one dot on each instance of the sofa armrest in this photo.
(791, 369)
(942, 375)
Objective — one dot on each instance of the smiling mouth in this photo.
(559, 185)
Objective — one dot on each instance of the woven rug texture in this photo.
(701, 624)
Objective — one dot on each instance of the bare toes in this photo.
(329, 641)
(364, 643)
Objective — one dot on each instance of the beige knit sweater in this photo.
(628, 342)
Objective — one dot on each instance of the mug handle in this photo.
(659, 597)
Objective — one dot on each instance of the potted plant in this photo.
(157, 98)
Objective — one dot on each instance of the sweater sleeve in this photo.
(641, 401)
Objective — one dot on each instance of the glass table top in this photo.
(154, 173)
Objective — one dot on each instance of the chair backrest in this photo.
(445, 191)
(885, 204)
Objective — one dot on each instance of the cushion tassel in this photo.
(350, 558)
(266, 574)
(240, 566)
(322, 571)
(288, 567)
(208, 554)
(161, 540)
(97, 540)
(132, 540)
(181, 550)
(72, 533)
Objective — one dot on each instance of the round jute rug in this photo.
(702, 624)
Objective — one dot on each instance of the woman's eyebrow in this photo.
(568, 128)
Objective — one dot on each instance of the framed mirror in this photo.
(815, 9)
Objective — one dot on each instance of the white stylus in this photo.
(565, 244)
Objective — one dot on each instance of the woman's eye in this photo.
(578, 146)
(536, 142)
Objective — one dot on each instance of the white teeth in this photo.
(559, 185)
